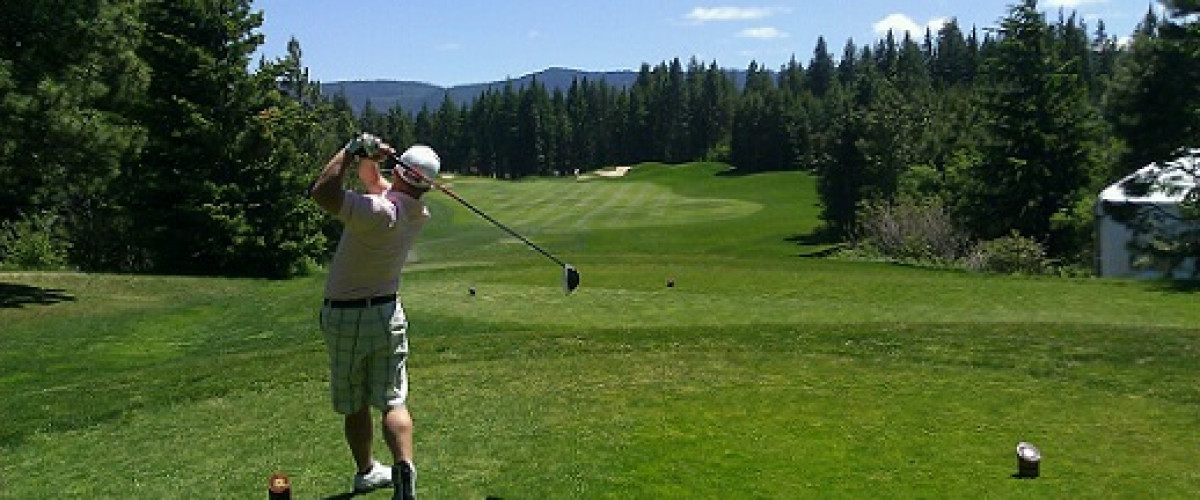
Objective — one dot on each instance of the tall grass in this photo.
(760, 374)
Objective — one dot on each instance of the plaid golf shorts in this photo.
(368, 351)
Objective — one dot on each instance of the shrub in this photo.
(1011, 254)
(1072, 239)
(33, 242)
(909, 230)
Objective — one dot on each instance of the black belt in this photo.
(360, 303)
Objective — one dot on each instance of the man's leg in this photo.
(398, 432)
(358, 428)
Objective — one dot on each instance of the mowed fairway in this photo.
(762, 374)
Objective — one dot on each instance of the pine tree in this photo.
(760, 139)
(637, 129)
(1040, 149)
(951, 64)
(875, 144)
(911, 75)
(446, 135)
(580, 126)
(208, 193)
(1154, 103)
(821, 70)
(69, 77)
(372, 120)
(847, 68)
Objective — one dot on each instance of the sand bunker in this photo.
(613, 172)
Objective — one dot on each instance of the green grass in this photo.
(761, 374)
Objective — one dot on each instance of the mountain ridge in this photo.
(413, 96)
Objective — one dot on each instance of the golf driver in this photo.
(570, 278)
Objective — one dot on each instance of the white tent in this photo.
(1168, 184)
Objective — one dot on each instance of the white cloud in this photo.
(764, 33)
(899, 24)
(701, 15)
(937, 23)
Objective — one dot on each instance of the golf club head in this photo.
(570, 278)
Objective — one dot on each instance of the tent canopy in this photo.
(1155, 187)
(1155, 183)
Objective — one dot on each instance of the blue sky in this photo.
(453, 42)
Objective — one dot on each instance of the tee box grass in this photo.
(761, 374)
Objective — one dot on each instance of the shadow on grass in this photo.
(14, 296)
(818, 244)
(733, 171)
(1179, 286)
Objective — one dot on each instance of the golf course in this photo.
(764, 371)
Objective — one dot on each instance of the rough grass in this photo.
(761, 374)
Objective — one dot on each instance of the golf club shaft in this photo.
(480, 213)
(497, 223)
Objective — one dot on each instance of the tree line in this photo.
(135, 136)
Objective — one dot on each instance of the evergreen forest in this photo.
(142, 136)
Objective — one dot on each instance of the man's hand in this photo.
(365, 149)
(368, 146)
(370, 151)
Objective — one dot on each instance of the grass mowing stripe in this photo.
(593, 199)
(633, 205)
(625, 195)
(599, 198)
(568, 200)
(553, 198)
(531, 195)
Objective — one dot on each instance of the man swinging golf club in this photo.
(362, 320)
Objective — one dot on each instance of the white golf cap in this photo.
(424, 160)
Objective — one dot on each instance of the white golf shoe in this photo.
(380, 476)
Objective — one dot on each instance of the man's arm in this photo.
(369, 150)
(327, 190)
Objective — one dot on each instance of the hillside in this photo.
(412, 96)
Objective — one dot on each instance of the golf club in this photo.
(570, 274)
